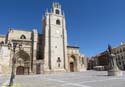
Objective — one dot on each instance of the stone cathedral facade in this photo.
(41, 53)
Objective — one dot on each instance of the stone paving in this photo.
(76, 79)
(3, 79)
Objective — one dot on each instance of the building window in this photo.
(122, 57)
(58, 61)
(124, 49)
(58, 22)
(118, 57)
(82, 60)
(23, 37)
(120, 50)
(57, 11)
(119, 63)
(117, 51)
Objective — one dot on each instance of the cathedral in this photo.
(36, 53)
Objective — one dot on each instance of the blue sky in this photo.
(91, 24)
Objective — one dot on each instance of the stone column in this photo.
(34, 48)
(78, 62)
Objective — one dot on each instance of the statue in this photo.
(113, 70)
(111, 56)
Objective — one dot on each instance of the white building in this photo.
(43, 53)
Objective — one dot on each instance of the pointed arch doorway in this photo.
(72, 64)
(22, 62)
(71, 67)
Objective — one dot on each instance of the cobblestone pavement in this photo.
(76, 79)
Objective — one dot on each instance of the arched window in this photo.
(58, 22)
(57, 11)
(23, 37)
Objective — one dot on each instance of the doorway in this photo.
(72, 64)
(20, 70)
(71, 67)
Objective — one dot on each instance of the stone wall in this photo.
(5, 58)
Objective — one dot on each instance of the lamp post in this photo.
(13, 61)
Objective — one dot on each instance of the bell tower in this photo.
(55, 40)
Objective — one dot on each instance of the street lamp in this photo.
(13, 63)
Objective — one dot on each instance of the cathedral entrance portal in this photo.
(22, 63)
(20, 70)
(72, 64)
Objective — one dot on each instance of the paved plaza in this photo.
(3, 79)
(76, 79)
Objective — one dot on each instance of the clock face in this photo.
(57, 31)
